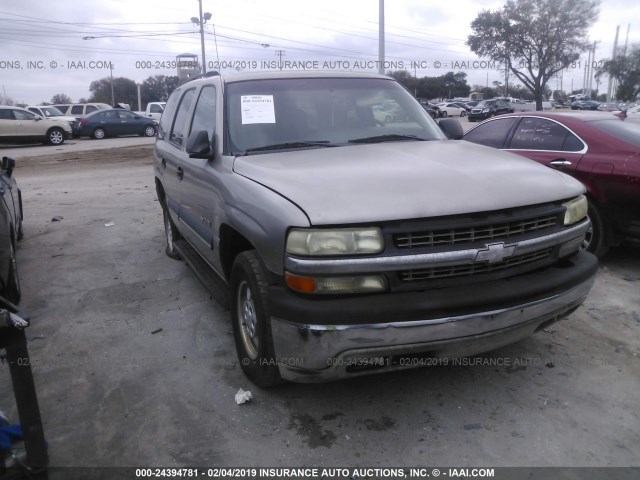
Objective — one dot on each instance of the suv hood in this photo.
(404, 180)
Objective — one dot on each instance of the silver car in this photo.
(18, 125)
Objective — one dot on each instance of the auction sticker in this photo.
(257, 109)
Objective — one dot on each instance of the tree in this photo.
(626, 70)
(445, 86)
(406, 79)
(158, 88)
(535, 39)
(124, 90)
(455, 85)
(60, 98)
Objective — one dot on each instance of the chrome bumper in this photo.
(313, 353)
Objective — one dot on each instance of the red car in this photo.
(600, 150)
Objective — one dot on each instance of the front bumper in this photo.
(479, 116)
(318, 340)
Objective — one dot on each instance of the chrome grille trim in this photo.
(337, 266)
(436, 273)
(488, 233)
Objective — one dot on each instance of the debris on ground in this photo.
(243, 397)
(57, 218)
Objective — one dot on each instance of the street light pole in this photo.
(204, 61)
(200, 21)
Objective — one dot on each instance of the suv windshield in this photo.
(272, 114)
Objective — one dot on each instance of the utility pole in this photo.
(381, 37)
(204, 61)
(280, 54)
(591, 69)
(610, 94)
(113, 98)
(200, 21)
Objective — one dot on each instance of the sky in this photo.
(45, 50)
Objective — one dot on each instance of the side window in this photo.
(108, 115)
(493, 133)
(155, 108)
(167, 116)
(21, 115)
(204, 117)
(5, 114)
(91, 108)
(76, 110)
(538, 134)
(180, 125)
(126, 115)
(35, 110)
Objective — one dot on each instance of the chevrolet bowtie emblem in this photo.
(495, 252)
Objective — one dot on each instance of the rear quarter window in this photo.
(628, 130)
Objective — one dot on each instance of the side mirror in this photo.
(451, 128)
(198, 145)
(8, 164)
(38, 118)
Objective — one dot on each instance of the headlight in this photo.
(344, 241)
(486, 110)
(576, 210)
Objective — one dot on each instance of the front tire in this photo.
(595, 240)
(99, 133)
(149, 131)
(171, 234)
(463, 113)
(445, 114)
(14, 292)
(55, 136)
(251, 320)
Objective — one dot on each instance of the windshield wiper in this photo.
(280, 146)
(386, 138)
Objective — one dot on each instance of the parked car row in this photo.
(46, 124)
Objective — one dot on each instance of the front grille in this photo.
(471, 234)
(434, 273)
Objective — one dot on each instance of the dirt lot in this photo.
(112, 393)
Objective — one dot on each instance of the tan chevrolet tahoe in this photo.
(351, 242)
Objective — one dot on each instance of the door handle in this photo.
(164, 163)
(560, 163)
(180, 172)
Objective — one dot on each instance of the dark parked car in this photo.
(433, 110)
(601, 151)
(115, 122)
(489, 108)
(585, 105)
(10, 231)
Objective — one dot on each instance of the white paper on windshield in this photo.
(257, 109)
